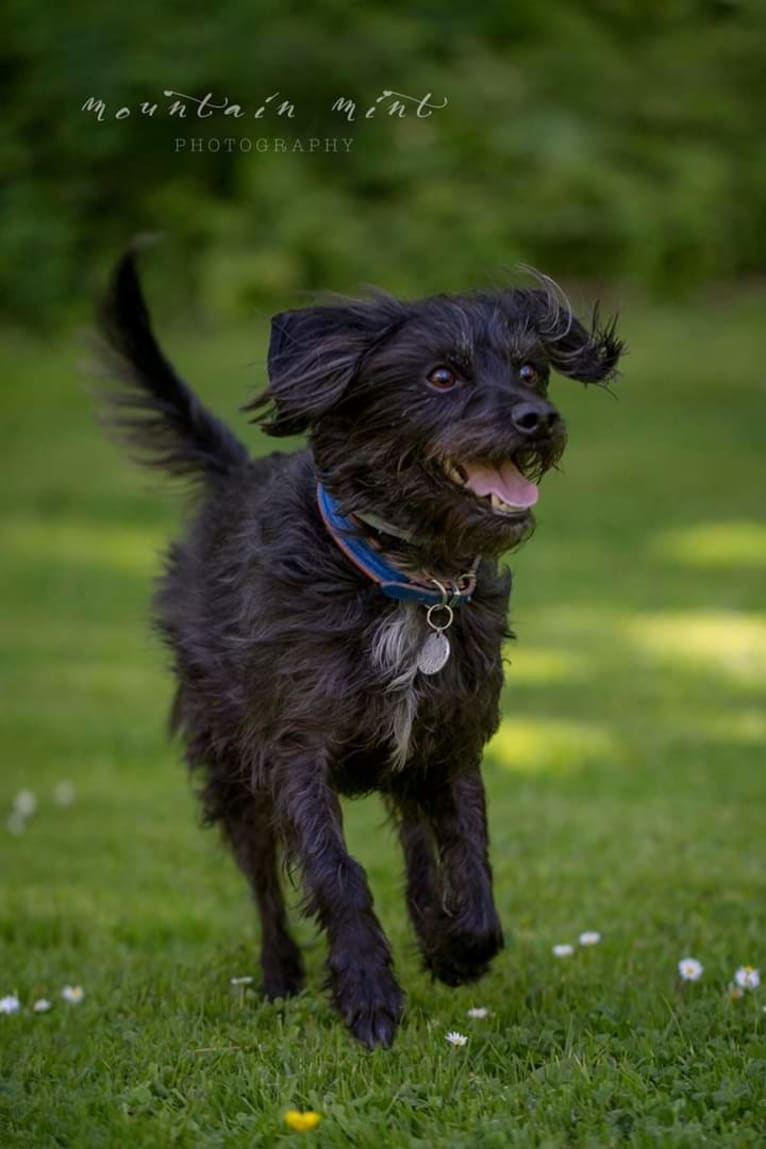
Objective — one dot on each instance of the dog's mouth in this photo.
(502, 489)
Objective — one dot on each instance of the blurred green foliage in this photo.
(608, 139)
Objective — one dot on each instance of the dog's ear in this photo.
(590, 354)
(314, 355)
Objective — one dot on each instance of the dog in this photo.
(336, 615)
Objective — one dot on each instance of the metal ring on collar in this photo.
(440, 606)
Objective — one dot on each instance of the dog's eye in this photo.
(442, 377)
(529, 375)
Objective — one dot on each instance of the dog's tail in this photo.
(152, 411)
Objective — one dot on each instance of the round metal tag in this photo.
(434, 653)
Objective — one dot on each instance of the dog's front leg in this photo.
(360, 976)
(449, 880)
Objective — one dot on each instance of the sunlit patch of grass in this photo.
(714, 545)
(578, 625)
(117, 681)
(530, 664)
(61, 634)
(549, 745)
(116, 548)
(744, 727)
(732, 643)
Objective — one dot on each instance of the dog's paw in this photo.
(370, 1004)
(283, 974)
(377, 1023)
(460, 956)
(281, 985)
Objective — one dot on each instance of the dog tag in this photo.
(434, 653)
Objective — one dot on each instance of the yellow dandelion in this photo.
(302, 1122)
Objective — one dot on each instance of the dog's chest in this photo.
(408, 701)
(394, 648)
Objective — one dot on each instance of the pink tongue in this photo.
(507, 482)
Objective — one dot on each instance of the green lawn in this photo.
(627, 790)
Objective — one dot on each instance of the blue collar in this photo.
(392, 581)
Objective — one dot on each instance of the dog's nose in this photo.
(534, 418)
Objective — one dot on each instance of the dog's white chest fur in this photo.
(396, 643)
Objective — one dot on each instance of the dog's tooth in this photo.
(499, 505)
(454, 474)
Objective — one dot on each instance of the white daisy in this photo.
(42, 1005)
(25, 803)
(478, 1012)
(455, 1039)
(10, 1004)
(589, 938)
(690, 969)
(247, 980)
(15, 823)
(747, 977)
(63, 794)
(73, 994)
(564, 950)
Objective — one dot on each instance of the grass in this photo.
(626, 795)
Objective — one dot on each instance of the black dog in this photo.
(336, 615)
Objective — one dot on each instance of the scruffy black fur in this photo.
(296, 676)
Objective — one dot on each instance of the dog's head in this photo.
(434, 415)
